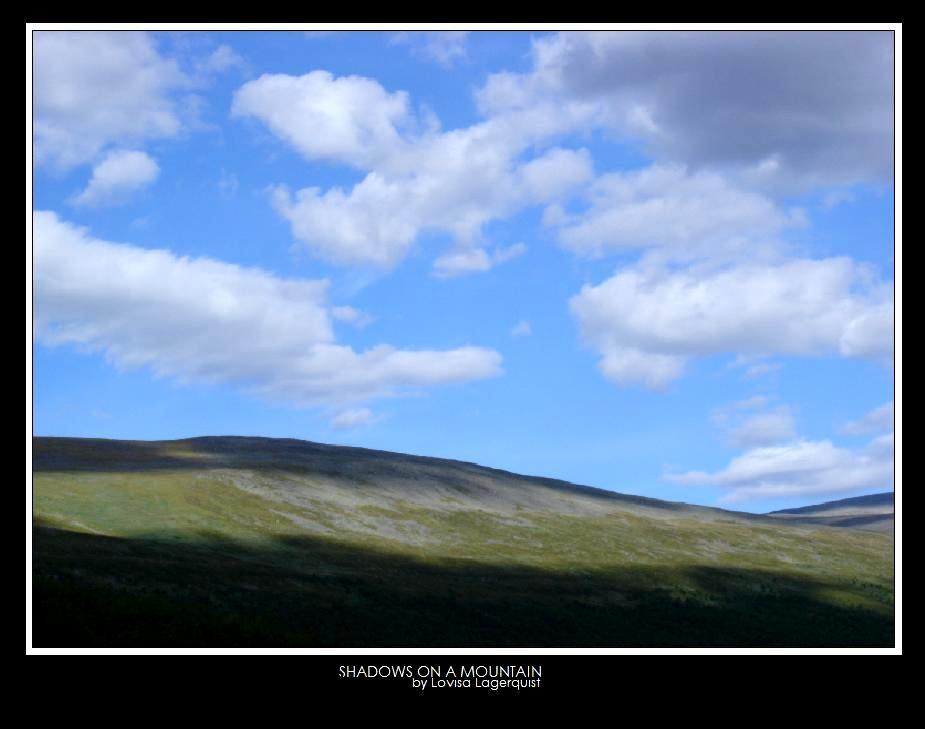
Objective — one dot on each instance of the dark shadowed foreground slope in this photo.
(252, 541)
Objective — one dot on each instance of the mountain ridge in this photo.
(872, 512)
(252, 541)
(868, 500)
(231, 444)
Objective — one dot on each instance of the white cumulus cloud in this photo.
(682, 214)
(418, 177)
(96, 89)
(646, 322)
(350, 119)
(800, 468)
(197, 319)
(119, 173)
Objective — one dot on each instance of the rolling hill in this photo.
(236, 541)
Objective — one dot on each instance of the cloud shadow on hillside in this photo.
(93, 590)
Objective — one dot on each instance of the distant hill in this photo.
(873, 512)
(231, 541)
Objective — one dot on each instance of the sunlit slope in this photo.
(287, 542)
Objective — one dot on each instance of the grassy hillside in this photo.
(249, 541)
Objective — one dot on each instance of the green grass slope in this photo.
(262, 542)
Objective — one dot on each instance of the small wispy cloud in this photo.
(522, 329)
(462, 261)
(444, 47)
(763, 429)
(748, 424)
(878, 420)
(837, 197)
(352, 419)
(350, 315)
(222, 59)
(228, 183)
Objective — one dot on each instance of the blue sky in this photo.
(654, 262)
